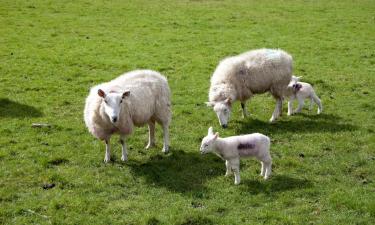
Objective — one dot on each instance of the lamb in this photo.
(133, 99)
(301, 91)
(253, 72)
(231, 149)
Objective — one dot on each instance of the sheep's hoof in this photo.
(150, 145)
(107, 160)
(165, 150)
(124, 158)
(236, 182)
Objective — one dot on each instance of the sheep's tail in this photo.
(315, 98)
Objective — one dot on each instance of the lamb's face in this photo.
(223, 110)
(208, 142)
(112, 104)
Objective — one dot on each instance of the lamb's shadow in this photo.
(178, 171)
(10, 108)
(277, 183)
(324, 123)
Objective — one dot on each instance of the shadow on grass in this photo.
(298, 123)
(178, 171)
(277, 183)
(9, 108)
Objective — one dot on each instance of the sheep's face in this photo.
(112, 104)
(207, 144)
(223, 110)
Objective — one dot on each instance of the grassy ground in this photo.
(51, 52)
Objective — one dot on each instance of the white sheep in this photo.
(253, 72)
(231, 149)
(133, 99)
(300, 91)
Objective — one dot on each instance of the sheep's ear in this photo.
(210, 130)
(101, 93)
(216, 135)
(228, 101)
(125, 94)
(210, 104)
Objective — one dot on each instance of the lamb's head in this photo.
(112, 103)
(208, 141)
(222, 110)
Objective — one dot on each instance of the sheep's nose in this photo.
(224, 126)
(114, 119)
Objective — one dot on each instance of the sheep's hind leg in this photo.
(151, 134)
(278, 108)
(229, 170)
(124, 156)
(107, 156)
(262, 169)
(235, 165)
(268, 168)
(166, 138)
(301, 103)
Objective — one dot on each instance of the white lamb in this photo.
(231, 149)
(300, 91)
(132, 99)
(253, 72)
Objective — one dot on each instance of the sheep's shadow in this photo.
(276, 183)
(178, 171)
(323, 123)
(10, 108)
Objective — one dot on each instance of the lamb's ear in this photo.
(216, 135)
(210, 104)
(210, 130)
(125, 94)
(228, 101)
(101, 93)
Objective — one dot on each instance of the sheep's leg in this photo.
(229, 170)
(318, 102)
(262, 169)
(151, 134)
(166, 138)
(107, 156)
(268, 167)
(311, 103)
(124, 156)
(301, 103)
(278, 108)
(235, 165)
(244, 111)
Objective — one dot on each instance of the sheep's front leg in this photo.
(301, 103)
(244, 111)
(229, 170)
(235, 165)
(166, 138)
(124, 156)
(278, 108)
(151, 134)
(290, 106)
(107, 156)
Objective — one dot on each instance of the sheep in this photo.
(253, 72)
(133, 99)
(300, 91)
(231, 149)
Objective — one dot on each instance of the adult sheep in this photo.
(253, 72)
(133, 99)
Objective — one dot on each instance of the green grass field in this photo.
(52, 52)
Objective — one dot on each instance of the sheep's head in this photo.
(222, 110)
(208, 141)
(112, 103)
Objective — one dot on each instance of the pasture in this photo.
(52, 52)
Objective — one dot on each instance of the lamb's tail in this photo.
(315, 98)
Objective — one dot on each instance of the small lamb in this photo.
(231, 149)
(301, 91)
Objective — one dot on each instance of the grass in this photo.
(51, 52)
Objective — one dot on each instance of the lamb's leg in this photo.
(301, 103)
(262, 169)
(229, 170)
(268, 167)
(278, 108)
(166, 138)
(290, 106)
(311, 103)
(318, 102)
(244, 111)
(235, 165)
(107, 156)
(124, 156)
(151, 134)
